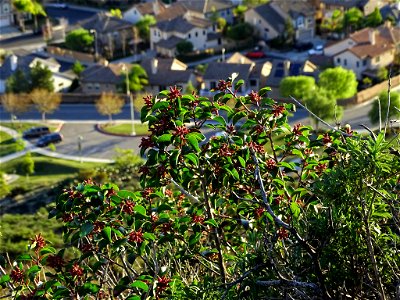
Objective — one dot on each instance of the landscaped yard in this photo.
(8, 145)
(22, 126)
(126, 128)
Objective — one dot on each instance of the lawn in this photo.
(126, 128)
(22, 126)
(8, 145)
(48, 171)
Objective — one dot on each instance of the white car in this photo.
(317, 50)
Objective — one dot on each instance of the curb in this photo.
(99, 128)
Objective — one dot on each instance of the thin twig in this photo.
(388, 105)
(291, 283)
(184, 191)
(370, 131)
(318, 118)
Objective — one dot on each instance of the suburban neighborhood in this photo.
(199, 149)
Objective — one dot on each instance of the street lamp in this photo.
(80, 139)
(223, 54)
(94, 32)
(128, 93)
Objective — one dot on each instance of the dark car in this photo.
(51, 138)
(303, 46)
(35, 132)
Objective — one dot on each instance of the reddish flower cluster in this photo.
(55, 261)
(145, 170)
(86, 248)
(320, 168)
(76, 270)
(271, 164)
(181, 131)
(67, 218)
(162, 171)
(230, 129)
(146, 193)
(197, 219)
(279, 199)
(308, 152)
(136, 236)
(283, 233)
(258, 212)
(224, 151)
(162, 283)
(17, 275)
(223, 85)
(256, 147)
(174, 92)
(98, 226)
(296, 129)
(166, 227)
(169, 193)
(148, 101)
(255, 98)
(38, 241)
(327, 140)
(128, 207)
(146, 142)
(259, 128)
(277, 110)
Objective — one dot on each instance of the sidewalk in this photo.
(29, 147)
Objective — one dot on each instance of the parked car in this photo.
(35, 132)
(255, 54)
(303, 46)
(317, 50)
(51, 138)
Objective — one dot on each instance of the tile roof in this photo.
(218, 71)
(98, 73)
(165, 75)
(148, 8)
(271, 16)
(169, 43)
(182, 24)
(206, 6)
(169, 13)
(103, 23)
(295, 8)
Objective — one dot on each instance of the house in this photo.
(138, 11)
(165, 72)
(367, 50)
(111, 33)
(100, 78)
(210, 9)
(6, 15)
(366, 6)
(62, 80)
(254, 75)
(270, 20)
(167, 34)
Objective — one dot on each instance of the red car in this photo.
(255, 54)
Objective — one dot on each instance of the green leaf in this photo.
(193, 158)
(47, 249)
(193, 142)
(24, 257)
(149, 236)
(160, 105)
(235, 174)
(194, 238)
(4, 279)
(211, 222)
(126, 194)
(165, 138)
(86, 229)
(133, 298)
(287, 165)
(242, 161)
(295, 209)
(140, 210)
(264, 91)
(107, 233)
(220, 120)
(239, 84)
(91, 288)
(140, 285)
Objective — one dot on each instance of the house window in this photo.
(377, 59)
(155, 33)
(253, 82)
(222, 14)
(134, 12)
(358, 64)
(189, 36)
(159, 34)
(300, 22)
(364, 62)
(196, 34)
(228, 12)
(204, 32)
(266, 29)
(345, 62)
(213, 85)
(5, 8)
(338, 60)
(97, 86)
(259, 21)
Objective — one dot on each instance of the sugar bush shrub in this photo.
(219, 217)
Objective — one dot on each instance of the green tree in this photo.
(116, 12)
(190, 89)
(240, 31)
(334, 23)
(239, 11)
(79, 40)
(297, 86)
(323, 104)
(221, 23)
(137, 79)
(143, 26)
(41, 78)
(28, 6)
(184, 47)
(383, 74)
(339, 82)
(109, 104)
(46, 102)
(78, 68)
(289, 33)
(383, 98)
(19, 82)
(374, 19)
(27, 166)
(352, 19)
(36, 9)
